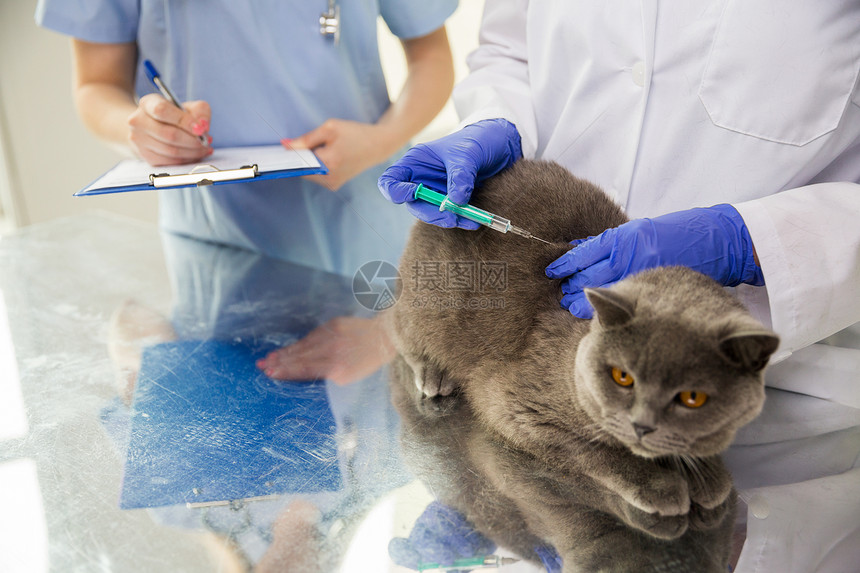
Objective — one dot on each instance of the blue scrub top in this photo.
(268, 74)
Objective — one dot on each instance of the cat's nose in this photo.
(641, 429)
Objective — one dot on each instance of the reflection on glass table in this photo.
(135, 382)
(209, 430)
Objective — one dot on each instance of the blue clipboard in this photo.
(225, 165)
(207, 426)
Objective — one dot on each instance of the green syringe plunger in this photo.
(472, 213)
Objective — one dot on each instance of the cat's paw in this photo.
(433, 381)
(663, 493)
(438, 407)
(660, 526)
(702, 518)
(710, 484)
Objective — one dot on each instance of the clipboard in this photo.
(208, 428)
(225, 165)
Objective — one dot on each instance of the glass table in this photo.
(138, 434)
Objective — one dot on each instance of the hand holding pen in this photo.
(167, 132)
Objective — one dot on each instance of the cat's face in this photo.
(669, 384)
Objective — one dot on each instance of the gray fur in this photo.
(529, 409)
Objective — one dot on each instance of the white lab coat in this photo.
(673, 105)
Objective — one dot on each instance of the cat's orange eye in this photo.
(621, 377)
(692, 399)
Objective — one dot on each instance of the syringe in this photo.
(485, 562)
(472, 213)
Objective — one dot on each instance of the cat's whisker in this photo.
(593, 433)
(695, 471)
(598, 432)
(676, 463)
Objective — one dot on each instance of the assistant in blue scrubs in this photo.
(268, 74)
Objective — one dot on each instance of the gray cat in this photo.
(599, 437)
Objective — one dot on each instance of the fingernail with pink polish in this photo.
(200, 127)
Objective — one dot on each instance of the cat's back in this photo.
(540, 196)
(484, 288)
(546, 199)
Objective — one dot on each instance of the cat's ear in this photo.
(612, 309)
(749, 349)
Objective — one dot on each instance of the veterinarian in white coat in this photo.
(675, 105)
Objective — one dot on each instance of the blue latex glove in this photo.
(550, 558)
(454, 163)
(440, 535)
(712, 240)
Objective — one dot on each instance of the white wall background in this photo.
(48, 153)
(45, 152)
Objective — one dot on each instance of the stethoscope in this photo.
(330, 22)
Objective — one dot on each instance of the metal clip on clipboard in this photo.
(199, 177)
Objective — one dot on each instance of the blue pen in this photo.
(155, 78)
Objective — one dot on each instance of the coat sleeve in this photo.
(498, 82)
(808, 243)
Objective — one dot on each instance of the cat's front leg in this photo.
(430, 379)
(710, 491)
(703, 519)
(710, 482)
(650, 489)
(658, 504)
(646, 496)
